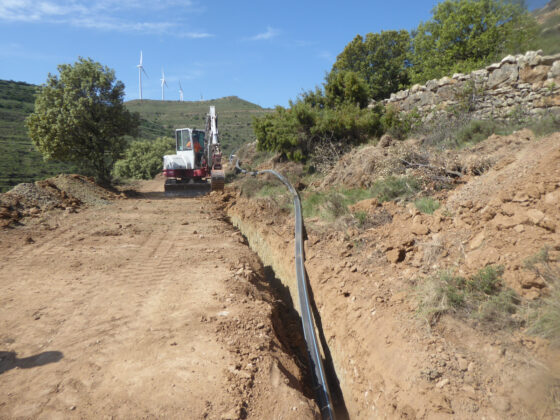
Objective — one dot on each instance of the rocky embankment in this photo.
(389, 360)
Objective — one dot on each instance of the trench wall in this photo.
(282, 263)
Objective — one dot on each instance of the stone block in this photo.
(432, 85)
(494, 66)
(531, 58)
(479, 75)
(460, 77)
(446, 93)
(554, 70)
(529, 74)
(548, 101)
(550, 59)
(403, 94)
(444, 81)
(427, 98)
(507, 73)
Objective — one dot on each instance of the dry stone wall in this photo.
(528, 83)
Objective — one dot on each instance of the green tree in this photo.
(296, 132)
(380, 59)
(346, 87)
(281, 132)
(143, 159)
(464, 35)
(80, 117)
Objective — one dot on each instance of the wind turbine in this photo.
(140, 71)
(163, 82)
(180, 92)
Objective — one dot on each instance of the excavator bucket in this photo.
(186, 189)
(218, 180)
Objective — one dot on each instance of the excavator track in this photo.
(186, 189)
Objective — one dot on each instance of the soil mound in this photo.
(60, 192)
(364, 166)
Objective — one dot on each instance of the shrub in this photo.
(391, 188)
(346, 87)
(474, 132)
(544, 320)
(297, 131)
(544, 316)
(481, 297)
(460, 130)
(427, 205)
(330, 205)
(546, 124)
(400, 124)
(143, 159)
(361, 217)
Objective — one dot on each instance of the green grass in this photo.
(392, 188)
(330, 205)
(544, 314)
(427, 205)
(481, 297)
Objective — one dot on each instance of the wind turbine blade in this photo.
(140, 58)
(144, 71)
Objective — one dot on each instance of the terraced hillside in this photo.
(19, 160)
(161, 118)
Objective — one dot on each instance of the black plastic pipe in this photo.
(319, 378)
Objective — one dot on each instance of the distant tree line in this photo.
(461, 36)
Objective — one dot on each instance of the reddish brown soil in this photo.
(142, 308)
(390, 362)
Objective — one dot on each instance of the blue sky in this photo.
(264, 52)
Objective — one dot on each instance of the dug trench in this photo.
(392, 362)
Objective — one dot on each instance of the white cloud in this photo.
(325, 55)
(104, 15)
(270, 33)
(196, 35)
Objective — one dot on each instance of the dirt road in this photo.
(144, 308)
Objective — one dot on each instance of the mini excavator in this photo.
(197, 161)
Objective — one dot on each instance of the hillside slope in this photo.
(404, 339)
(161, 118)
(19, 160)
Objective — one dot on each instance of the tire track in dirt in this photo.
(137, 298)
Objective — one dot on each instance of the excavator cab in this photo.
(190, 144)
(197, 160)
